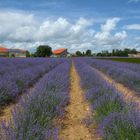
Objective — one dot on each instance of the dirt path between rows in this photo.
(129, 95)
(77, 110)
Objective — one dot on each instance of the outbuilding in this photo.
(135, 55)
(5, 52)
(62, 52)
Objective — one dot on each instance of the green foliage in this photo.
(129, 60)
(4, 96)
(11, 55)
(43, 51)
(106, 108)
(88, 53)
(78, 53)
(117, 52)
(28, 54)
(20, 84)
(123, 130)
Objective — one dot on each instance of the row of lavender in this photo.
(10, 65)
(125, 73)
(116, 119)
(33, 119)
(16, 75)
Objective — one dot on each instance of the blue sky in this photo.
(74, 24)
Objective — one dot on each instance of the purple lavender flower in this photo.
(117, 119)
(125, 73)
(47, 102)
(16, 75)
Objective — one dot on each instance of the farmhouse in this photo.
(62, 52)
(5, 52)
(134, 55)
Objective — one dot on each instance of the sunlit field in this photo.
(55, 98)
(69, 69)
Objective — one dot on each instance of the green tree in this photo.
(88, 53)
(28, 54)
(113, 52)
(43, 51)
(117, 52)
(134, 51)
(83, 54)
(99, 54)
(78, 53)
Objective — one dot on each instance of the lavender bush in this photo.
(16, 75)
(105, 101)
(121, 126)
(125, 73)
(33, 119)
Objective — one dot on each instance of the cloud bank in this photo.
(26, 31)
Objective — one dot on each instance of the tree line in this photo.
(46, 51)
(117, 52)
(106, 53)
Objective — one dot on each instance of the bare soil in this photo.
(77, 110)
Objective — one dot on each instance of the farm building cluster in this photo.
(5, 52)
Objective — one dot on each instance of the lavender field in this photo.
(69, 98)
(16, 75)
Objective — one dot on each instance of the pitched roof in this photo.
(3, 49)
(59, 51)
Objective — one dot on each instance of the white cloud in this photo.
(22, 30)
(132, 27)
(110, 24)
(107, 28)
(80, 25)
(17, 26)
(107, 38)
(121, 35)
(105, 35)
(50, 29)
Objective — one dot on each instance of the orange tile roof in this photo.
(3, 49)
(59, 51)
